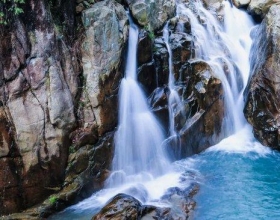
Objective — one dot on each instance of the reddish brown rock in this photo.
(46, 95)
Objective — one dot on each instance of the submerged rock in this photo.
(262, 93)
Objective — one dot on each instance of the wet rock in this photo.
(181, 46)
(215, 5)
(161, 62)
(181, 201)
(241, 3)
(88, 168)
(145, 47)
(179, 204)
(159, 98)
(204, 107)
(262, 93)
(158, 101)
(147, 76)
(122, 206)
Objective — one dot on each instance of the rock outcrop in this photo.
(37, 104)
(102, 49)
(262, 96)
(51, 101)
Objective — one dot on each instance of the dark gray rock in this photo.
(262, 93)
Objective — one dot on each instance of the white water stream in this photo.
(226, 49)
(138, 153)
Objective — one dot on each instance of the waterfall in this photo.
(225, 47)
(175, 103)
(139, 155)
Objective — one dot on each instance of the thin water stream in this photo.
(238, 177)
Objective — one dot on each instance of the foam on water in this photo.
(242, 142)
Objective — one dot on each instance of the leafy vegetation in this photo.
(12, 7)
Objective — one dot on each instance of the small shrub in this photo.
(12, 7)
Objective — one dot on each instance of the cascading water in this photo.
(233, 181)
(175, 103)
(226, 49)
(138, 152)
(238, 175)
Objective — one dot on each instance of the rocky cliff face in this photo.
(51, 101)
(37, 94)
(262, 97)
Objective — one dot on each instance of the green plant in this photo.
(53, 200)
(12, 7)
(150, 32)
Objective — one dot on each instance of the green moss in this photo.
(150, 32)
(53, 200)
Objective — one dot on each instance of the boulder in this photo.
(179, 205)
(241, 3)
(120, 207)
(262, 93)
(152, 14)
(216, 5)
(261, 7)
